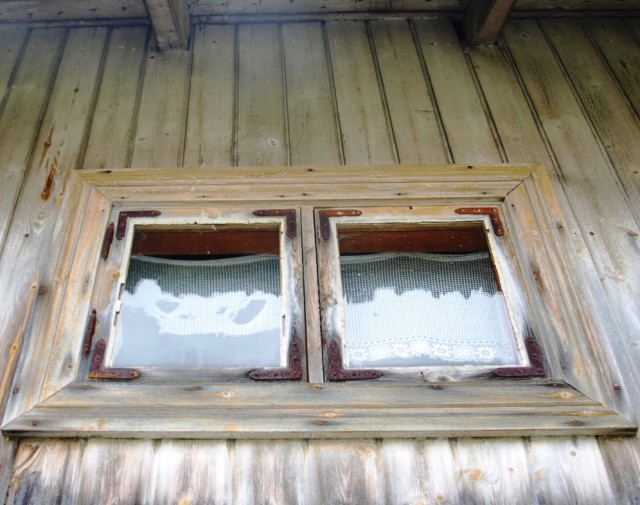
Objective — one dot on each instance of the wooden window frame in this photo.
(112, 271)
(50, 398)
(373, 221)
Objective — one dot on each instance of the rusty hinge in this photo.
(338, 373)
(290, 218)
(536, 367)
(324, 215)
(292, 373)
(89, 332)
(126, 214)
(106, 243)
(99, 372)
(493, 214)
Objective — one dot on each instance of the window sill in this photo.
(344, 410)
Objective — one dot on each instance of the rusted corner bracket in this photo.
(536, 369)
(292, 373)
(324, 215)
(493, 214)
(99, 372)
(337, 373)
(108, 240)
(126, 214)
(290, 218)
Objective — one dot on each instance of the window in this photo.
(188, 292)
(426, 284)
(418, 292)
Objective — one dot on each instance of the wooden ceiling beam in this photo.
(484, 20)
(171, 23)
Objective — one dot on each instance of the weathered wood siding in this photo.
(563, 92)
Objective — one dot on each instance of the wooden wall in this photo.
(564, 92)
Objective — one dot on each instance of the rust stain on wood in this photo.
(46, 192)
(47, 145)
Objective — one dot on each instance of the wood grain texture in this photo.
(117, 472)
(616, 124)
(265, 471)
(159, 137)
(523, 139)
(419, 471)
(539, 123)
(11, 41)
(46, 472)
(171, 23)
(620, 49)
(535, 471)
(57, 10)
(22, 102)
(22, 111)
(462, 113)
(344, 472)
(312, 118)
(413, 116)
(366, 137)
(262, 138)
(622, 460)
(110, 138)
(211, 7)
(329, 411)
(493, 473)
(211, 132)
(484, 20)
(85, 254)
(583, 170)
(310, 279)
(190, 472)
(48, 180)
(569, 471)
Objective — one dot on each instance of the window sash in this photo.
(113, 275)
(415, 217)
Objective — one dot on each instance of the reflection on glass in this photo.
(415, 309)
(207, 314)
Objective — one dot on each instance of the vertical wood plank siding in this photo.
(564, 92)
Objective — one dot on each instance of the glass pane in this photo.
(204, 313)
(419, 309)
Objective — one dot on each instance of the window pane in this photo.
(424, 309)
(200, 313)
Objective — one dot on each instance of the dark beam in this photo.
(171, 23)
(485, 19)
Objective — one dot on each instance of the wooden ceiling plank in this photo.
(484, 20)
(171, 23)
(64, 10)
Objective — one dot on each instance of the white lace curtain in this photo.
(424, 309)
(211, 313)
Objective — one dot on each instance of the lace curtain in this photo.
(424, 309)
(212, 313)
